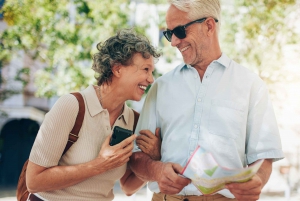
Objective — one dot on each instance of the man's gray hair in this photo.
(197, 9)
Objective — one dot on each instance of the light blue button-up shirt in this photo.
(229, 113)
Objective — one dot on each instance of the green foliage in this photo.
(255, 32)
(4, 94)
(157, 2)
(3, 114)
(23, 75)
(61, 34)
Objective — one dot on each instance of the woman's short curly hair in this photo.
(120, 49)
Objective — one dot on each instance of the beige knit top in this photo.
(53, 135)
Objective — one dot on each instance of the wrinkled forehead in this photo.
(176, 17)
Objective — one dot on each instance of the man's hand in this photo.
(169, 181)
(250, 190)
(150, 143)
(165, 174)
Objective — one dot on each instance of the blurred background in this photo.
(46, 48)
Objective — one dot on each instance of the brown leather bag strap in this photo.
(73, 136)
(136, 118)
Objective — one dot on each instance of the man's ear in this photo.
(116, 69)
(211, 26)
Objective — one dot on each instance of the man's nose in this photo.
(174, 40)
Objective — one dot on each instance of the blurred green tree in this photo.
(256, 33)
(62, 34)
(264, 35)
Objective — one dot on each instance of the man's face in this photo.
(193, 45)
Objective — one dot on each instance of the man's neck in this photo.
(202, 66)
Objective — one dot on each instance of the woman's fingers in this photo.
(143, 142)
(126, 141)
(147, 133)
(157, 133)
(150, 143)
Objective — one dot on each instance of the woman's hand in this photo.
(111, 157)
(150, 143)
(39, 178)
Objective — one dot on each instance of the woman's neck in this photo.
(111, 100)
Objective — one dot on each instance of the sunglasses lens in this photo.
(168, 35)
(179, 32)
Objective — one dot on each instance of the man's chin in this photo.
(186, 60)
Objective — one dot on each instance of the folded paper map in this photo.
(209, 177)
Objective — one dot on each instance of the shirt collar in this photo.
(94, 107)
(125, 114)
(223, 60)
(92, 102)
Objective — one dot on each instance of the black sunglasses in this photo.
(179, 31)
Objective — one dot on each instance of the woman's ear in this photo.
(116, 69)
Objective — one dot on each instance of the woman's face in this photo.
(137, 76)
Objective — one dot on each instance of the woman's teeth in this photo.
(143, 87)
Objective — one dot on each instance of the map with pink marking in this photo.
(209, 177)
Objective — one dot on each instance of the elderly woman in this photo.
(88, 171)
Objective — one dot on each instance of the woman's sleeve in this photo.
(54, 132)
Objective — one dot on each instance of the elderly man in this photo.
(211, 101)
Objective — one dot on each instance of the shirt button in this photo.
(199, 99)
(196, 126)
(195, 76)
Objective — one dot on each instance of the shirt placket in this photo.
(193, 143)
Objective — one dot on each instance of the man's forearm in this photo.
(265, 170)
(144, 167)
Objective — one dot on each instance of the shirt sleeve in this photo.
(54, 132)
(263, 139)
(148, 116)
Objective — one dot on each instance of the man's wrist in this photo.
(144, 167)
(265, 171)
(154, 169)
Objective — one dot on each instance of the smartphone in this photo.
(119, 134)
